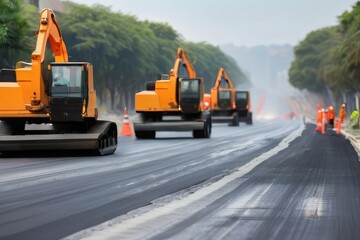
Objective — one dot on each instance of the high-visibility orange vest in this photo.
(342, 114)
(331, 113)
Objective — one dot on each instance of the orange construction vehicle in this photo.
(223, 105)
(53, 109)
(243, 106)
(174, 103)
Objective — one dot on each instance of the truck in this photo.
(52, 107)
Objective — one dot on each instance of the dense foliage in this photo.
(14, 34)
(330, 57)
(126, 53)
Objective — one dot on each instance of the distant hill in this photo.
(266, 66)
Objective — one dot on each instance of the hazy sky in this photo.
(241, 22)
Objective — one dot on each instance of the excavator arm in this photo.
(222, 74)
(182, 64)
(217, 90)
(27, 95)
(49, 32)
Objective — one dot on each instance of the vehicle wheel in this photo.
(235, 121)
(5, 129)
(15, 127)
(198, 133)
(249, 119)
(210, 125)
(145, 134)
(205, 132)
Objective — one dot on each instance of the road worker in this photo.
(342, 113)
(331, 115)
(354, 119)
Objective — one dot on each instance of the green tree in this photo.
(127, 53)
(314, 65)
(13, 33)
(348, 54)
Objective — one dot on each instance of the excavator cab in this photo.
(242, 99)
(224, 95)
(191, 90)
(224, 99)
(68, 91)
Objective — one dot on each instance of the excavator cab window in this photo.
(68, 92)
(241, 99)
(224, 99)
(182, 73)
(67, 81)
(190, 92)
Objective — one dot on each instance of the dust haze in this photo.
(267, 68)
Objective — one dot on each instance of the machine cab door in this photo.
(190, 94)
(224, 99)
(68, 92)
(242, 100)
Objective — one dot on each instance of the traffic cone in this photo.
(323, 123)
(338, 126)
(126, 128)
(318, 120)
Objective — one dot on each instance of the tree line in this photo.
(329, 58)
(126, 52)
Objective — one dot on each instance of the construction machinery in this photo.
(243, 106)
(173, 103)
(53, 108)
(222, 100)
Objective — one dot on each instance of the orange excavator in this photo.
(222, 100)
(173, 103)
(53, 109)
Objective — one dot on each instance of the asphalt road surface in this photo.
(272, 180)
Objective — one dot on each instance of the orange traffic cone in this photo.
(126, 128)
(319, 119)
(323, 123)
(338, 126)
